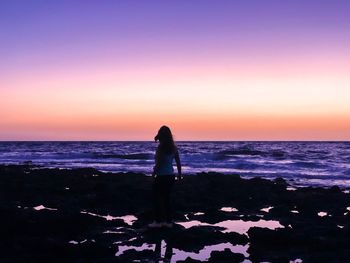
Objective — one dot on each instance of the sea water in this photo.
(301, 163)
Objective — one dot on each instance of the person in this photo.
(164, 177)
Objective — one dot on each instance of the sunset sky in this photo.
(211, 70)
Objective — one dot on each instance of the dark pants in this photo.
(162, 187)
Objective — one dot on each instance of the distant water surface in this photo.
(302, 163)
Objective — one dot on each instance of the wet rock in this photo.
(280, 181)
(189, 260)
(335, 189)
(144, 255)
(37, 236)
(225, 256)
(192, 239)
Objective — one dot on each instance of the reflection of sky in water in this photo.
(178, 255)
(73, 242)
(128, 219)
(41, 207)
(266, 209)
(204, 254)
(198, 213)
(145, 246)
(163, 251)
(238, 226)
(229, 209)
(322, 214)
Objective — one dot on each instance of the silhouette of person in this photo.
(164, 177)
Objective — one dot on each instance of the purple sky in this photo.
(52, 31)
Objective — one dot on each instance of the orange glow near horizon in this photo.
(201, 106)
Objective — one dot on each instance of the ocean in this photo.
(300, 163)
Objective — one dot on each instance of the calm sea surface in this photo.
(303, 163)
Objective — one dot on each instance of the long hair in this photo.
(166, 141)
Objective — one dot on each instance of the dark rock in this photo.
(39, 236)
(280, 181)
(335, 189)
(189, 260)
(225, 256)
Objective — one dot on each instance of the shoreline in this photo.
(290, 181)
(79, 214)
(301, 164)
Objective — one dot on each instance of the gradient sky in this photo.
(211, 70)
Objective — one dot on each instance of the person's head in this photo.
(165, 138)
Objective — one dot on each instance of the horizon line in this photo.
(1, 141)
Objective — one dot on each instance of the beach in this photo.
(87, 215)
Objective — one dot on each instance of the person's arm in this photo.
(178, 165)
(156, 166)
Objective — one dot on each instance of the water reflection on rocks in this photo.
(220, 219)
(166, 253)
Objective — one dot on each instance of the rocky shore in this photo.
(83, 215)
